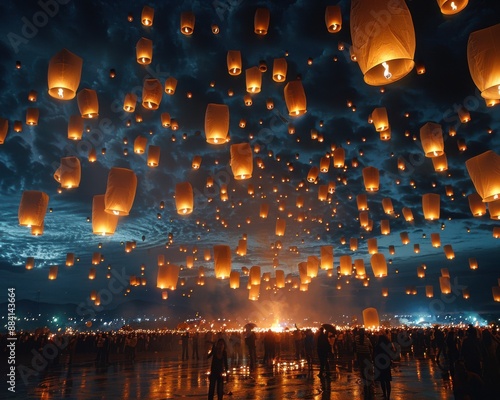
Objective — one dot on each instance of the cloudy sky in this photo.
(339, 103)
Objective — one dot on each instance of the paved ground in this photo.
(159, 378)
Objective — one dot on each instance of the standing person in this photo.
(185, 342)
(324, 350)
(309, 348)
(269, 347)
(470, 351)
(363, 350)
(382, 356)
(218, 369)
(251, 342)
(195, 346)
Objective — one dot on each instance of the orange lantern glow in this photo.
(144, 51)
(476, 205)
(371, 179)
(253, 78)
(261, 21)
(484, 171)
(234, 280)
(187, 23)
(53, 272)
(147, 15)
(152, 91)
(65, 70)
(370, 318)
(170, 85)
(431, 206)
(379, 265)
(88, 104)
(103, 223)
(380, 119)
(120, 191)
(279, 69)
(333, 19)
(222, 261)
(75, 127)
(241, 161)
(140, 144)
(234, 62)
(295, 98)
(431, 138)
(69, 172)
(440, 163)
(184, 198)
(216, 123)
(450, 7)
(32, 208)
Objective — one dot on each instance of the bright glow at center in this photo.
(387, 74)
(116, 212)
(60, 92)
(453, 6)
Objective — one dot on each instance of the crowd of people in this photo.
(469, 356)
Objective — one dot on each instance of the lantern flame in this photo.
(453, 6)
(60, 92)
(387, 74)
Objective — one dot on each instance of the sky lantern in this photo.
(304, 278)
(75, 127)
(379, 265)
(405, 238)
(216, 123)
(359, 265)
(387, 205)
(234, 280)
(494, 209)
(69, 172)
(295, 98)
(385, 50)
(313, 174)
(120, 191)
(353, 244)
(147, 15)
(450, 7)
(324, 164)
(280, 278)
(476, 205)
(153, 156)
(253, 292)
(371, 179)
(187, 23)
(448, 252)
(431, 138)
(160, 259)
(473, 263)
(65, 70)
(144, 51)
(370, 318)
(222, 261)
(92, 273)
(170, 85)
(364, 218)
(53, 272)
(254, 275)
(32, 208)
(326, 257)
(234, 62)
(496, 232)
(483, 56)
(385, 227)
(18, 127)
(92, 157)
(30, 263)
(484, 171)
(407, 214)
(184, 198)
(264, 210)
(362, 202)
(196, 163)
(372, 245)
(253, 79)
(70, 259)
(279, 69)
(140, 144)
(32, 115)
(312, 266)
(103, 223)
(130, 102)
(435, 240)
(431, 206)
(345, 265)
(333, 19)
(4, 129)
(421, 271)
(496, 293)
(88, 104)
(241, 161)
(440, 163)
(323, 192)
(380, 119)
(280, 226)
(339, 157)
(152, 91)
(445, 284)
(165, 120)
(241, 250)
(167, 276)
(429, 291)
(261, 21)
(37, 230)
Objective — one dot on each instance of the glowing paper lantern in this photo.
(264, 210)
(431, 138)
(295, 98)
(383, 39)
(380, 119)
(440, 163)
(448, 251)
(370, 318)
(280, 226)
(280, 67)
(184, 198)
(431, 206)
(345, 265)
(253, 292)
(234, 280)
(450, 7)
(53, 272)
(483, 56)
(222, 261)
(429, 291)
(170, 85)
(75, 127)
(70, 259)
(372, 245)
(253, 79)
(496, 293)
(494, 209)
(69, 172)
(333, 19)
(140, 144)
(405, 239)
(196, 163)
(371, 179)
(445, 284)
(187, 23)
(385, 228)
(477, 207)
(130, 102)
(4, 129)
(30, 263)
(326, 257)
(152, 91)
(312, 266)
(339, 157)
(37, 230)
(473, 263)
(435, 240)
(144, 51)
(353, 244)
(120, 191)
(88, 104)
(153, 156)
(484, 171)
(379, 265)
(362, 202)
(32, 115)
(103, 223)
(167, 276)
(261, 21)
(280, 278)
(387, 205)
(421, 271)
(241, 161)
(234, 62)
(166, 120)
(65, 70)
(147, 15)
(216, 123)
(32, 208)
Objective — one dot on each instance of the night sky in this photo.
(339, 104)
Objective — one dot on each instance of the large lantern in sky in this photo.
(280, 226)
(103, 223)
(295, 98)
(333, 19)
(383, 38)
(147, 15)
(32, 208)
(261, 21)
(326, 257)
(167, 276)
(380, 119)
(222, 261)
(88, 104)
(187, 23)
(69, 172)
(279, 69)
(371, 179)
(152, 91)
(483, 56)
(253, 79)
(370, 318)
(144, 51)
(234, 280)
(75, 127)
(241, 161)
(431, 206)
(216, 123)
(476, 205)
(120, 191)
(450, 7)
(484, 171)
(65, 70)
(184, 200)
(379, 265)
(234, 62)
(431, 138)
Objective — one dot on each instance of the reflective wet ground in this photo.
(156, 377)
